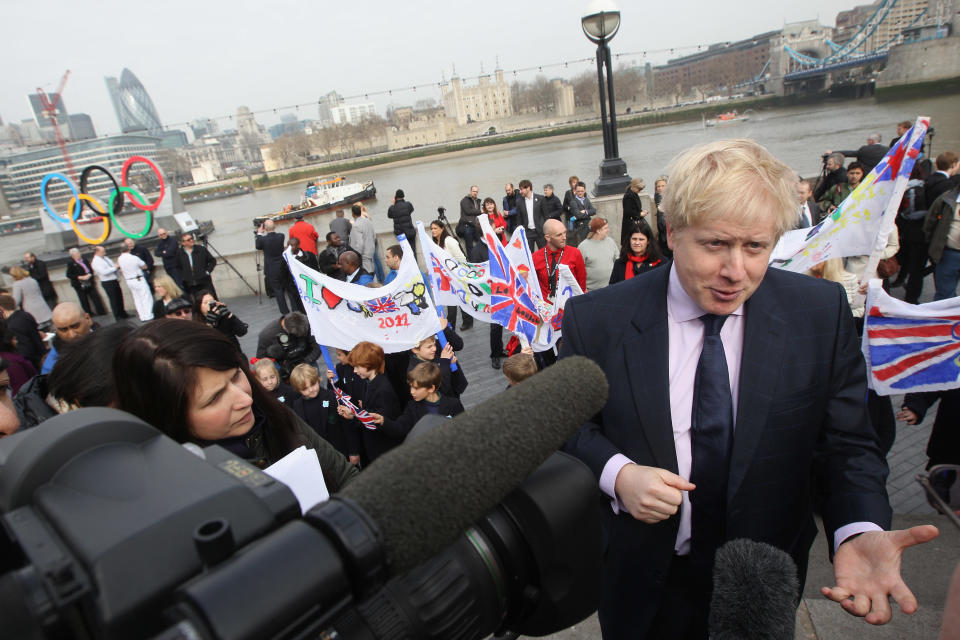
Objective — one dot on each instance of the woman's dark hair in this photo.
(83, 374)
(197, 302)
(653, 249)
(483, 207)
(155, 373)
(443, 232)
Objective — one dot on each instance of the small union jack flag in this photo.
(511, 305)
(383, 305)
(912, 347)
(363, 416)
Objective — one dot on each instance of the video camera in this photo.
(113, 530)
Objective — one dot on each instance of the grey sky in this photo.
(206, 57)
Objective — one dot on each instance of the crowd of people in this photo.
(182, 368)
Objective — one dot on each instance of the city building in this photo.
(721, 67)
(332, 110)
(45, 120)
(902, 15)
(21, 172)
(81, 127)
(417, 128)
(132, 104)
(204, 127)
(563, 99)
(480, 103)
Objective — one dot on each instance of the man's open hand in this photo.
(867, 572)
(650, 494)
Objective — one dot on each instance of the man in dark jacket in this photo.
(835, 174)
(38, 271)
(401, 212)
(509, 208)
(869, 155)
(166, 250)
(81, 277)
(552, 207)
(530, 214)
(940, 228)
(274, 268)
(304, 257)
(195, 264)
(468, 226)
(943, 179)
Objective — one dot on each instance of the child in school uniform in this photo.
(453, 383)
(265, 371)
(424, 380)
(368, 363)
(317, 407)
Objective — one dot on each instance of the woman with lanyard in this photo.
(640, 255)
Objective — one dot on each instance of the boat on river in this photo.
(729, 117)
(324, 194)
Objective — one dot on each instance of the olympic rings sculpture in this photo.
(80, 196)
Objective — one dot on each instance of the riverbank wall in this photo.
(924, 68)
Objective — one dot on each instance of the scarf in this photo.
(633, 265)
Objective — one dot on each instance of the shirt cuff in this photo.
(852, 529)
(608, 479)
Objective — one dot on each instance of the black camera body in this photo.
(112, 530)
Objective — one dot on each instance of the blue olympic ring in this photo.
(46, 204)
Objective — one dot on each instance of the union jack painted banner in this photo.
(360, 414)
(383, 305)
(511, 305)
(910, 348)
(862, 222)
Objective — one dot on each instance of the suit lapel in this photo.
(760, 368)
(647, 358)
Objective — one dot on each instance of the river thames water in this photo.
(797, 135)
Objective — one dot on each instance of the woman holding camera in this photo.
(186, 380)
(213, 313)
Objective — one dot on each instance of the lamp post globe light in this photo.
(600, 22)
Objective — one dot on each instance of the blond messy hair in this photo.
(302, 376)
(737, 180)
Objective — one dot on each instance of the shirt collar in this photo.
(680, 306)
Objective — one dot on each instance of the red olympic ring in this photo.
(123, 180)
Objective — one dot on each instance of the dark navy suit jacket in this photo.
(801, 419)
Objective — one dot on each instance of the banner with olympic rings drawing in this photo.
(106, 213)
(454, 283)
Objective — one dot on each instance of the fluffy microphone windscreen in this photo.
(755, 591)
(425, 493)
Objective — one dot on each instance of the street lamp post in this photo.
(600, 23)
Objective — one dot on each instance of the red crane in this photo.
(50, 111)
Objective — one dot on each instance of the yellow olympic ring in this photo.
(99, 206)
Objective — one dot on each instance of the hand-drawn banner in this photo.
(860, 225)
(396, 316)
(454, 283)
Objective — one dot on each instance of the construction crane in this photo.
(50, 109)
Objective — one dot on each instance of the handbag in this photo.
(888, 267)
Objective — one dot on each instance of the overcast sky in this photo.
(206, 57)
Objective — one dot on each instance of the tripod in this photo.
(442, 217)
(220, 256)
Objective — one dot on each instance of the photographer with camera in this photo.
(289, 342)
(213, 313)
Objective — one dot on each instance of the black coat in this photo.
(203, 265)
(321, 414)
(619, 273)
(272, 246)
(523, 217)
(631, 214)
(944, 444)
(74, 271)
(470, 212)
(38, 271)
(400, 427)
(144, 254)
(552, 207)
(401, 213)
(166, 250)
(832, 179)
(936, 185)
(378, 397)
(308, 259)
